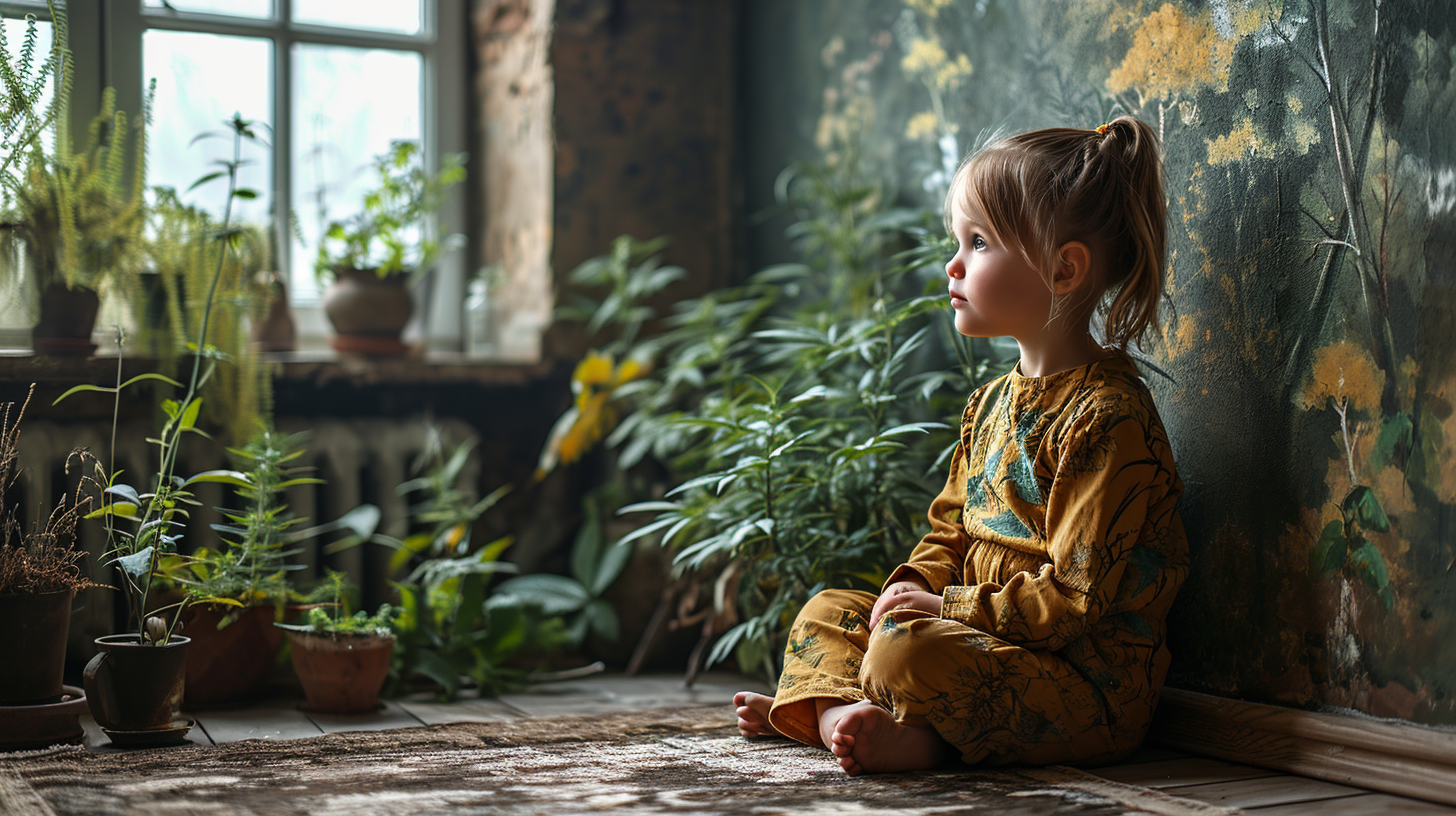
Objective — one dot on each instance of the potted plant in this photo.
(342, 659)
(76, 223)
(179, 253)
(39, 577)
(135, 684)
(234, 644)
(371, 257)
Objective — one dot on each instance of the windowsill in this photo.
(317, 367)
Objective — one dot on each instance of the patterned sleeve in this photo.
(939, 559)
(1107, 480)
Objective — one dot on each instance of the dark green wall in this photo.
(1311, 164)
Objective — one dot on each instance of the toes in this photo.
(740, 699)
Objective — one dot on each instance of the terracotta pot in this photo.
(67, 318)
(227, 666)
(35, 628)
(368, 312)
(343, 675)
(136, 687)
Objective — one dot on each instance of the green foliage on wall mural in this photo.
(1312, 199)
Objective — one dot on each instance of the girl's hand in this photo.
(904, 595)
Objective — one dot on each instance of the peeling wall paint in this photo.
(1312, 180)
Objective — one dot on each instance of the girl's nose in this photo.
(955, 269)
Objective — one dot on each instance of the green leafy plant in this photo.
(141, 523)
(252, 567)
(805, 416)
(394, 233)
(329, 615)
(596, 562)
(178, 250)
(76, 216)
(24, 81)
(451, 629)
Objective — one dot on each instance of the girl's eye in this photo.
(977, 242)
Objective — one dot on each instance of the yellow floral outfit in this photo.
(1056, 548)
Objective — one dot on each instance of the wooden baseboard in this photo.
(1409, 760)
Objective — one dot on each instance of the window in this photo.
(334, 81)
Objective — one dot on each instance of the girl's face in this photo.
(993, 290)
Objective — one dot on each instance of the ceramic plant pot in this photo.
(368, 312)
(341, 675)
(136, 687)
(227, 666)
(36, 627)
(67, 318)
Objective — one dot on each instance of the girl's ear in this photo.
(1074, 267)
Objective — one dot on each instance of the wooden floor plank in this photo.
(603, 694)
(1170, 773)
(1363, 805)
(432, 712)
(1150, 753)
(1269, 790)
(268, 720)
(388, 716)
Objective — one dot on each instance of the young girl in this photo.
(1028, 624)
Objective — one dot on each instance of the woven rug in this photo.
(689, 761)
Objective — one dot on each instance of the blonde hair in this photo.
(1103, 187)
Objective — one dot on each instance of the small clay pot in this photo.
(227, 666)
(67, 318)
(132, 686)
(343, 674)
(368, 312)
(36, 627)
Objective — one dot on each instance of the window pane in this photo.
(202, 80)
(259, 9)
(348, 105)
(397, 16)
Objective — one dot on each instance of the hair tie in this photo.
(1102, 129)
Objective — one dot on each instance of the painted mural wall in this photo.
(1310, 335)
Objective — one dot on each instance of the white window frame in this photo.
(106, 41)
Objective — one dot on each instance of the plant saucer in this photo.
(174, 734)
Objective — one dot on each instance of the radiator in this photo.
(362, 461)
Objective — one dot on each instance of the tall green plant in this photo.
(805, 416)
(141, 524)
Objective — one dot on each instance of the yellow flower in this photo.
(594, 382)
(1344, 372)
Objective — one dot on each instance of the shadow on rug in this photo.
(688, 761)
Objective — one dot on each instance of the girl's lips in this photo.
(956, 301)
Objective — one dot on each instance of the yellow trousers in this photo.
(994, 702)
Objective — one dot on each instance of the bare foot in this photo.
(867, 739)
(753, 714)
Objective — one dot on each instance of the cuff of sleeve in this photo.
(906, 572)
(956, 603)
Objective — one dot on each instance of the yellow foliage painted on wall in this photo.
(922, 125)
(1345, 373)
(1243, 142)
(930, 8)
(1171, 53)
